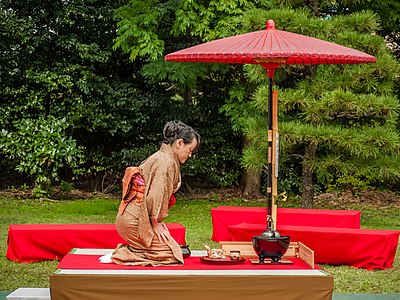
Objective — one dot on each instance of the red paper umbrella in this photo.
(271, 48)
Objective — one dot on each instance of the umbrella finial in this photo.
(270, 24)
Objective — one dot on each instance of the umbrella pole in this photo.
(275, 156)
(269, 183)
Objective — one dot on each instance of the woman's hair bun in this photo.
(174, 130)
(171, 131)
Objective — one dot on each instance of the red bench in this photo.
(225, 216)
(39, 242)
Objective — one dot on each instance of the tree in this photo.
(339, 121)
(388, 12)
(211, 20)
(59, 63)
(41, 149)
(169, 26)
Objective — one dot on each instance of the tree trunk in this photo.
(307, 197)
(251, 180)
(251, 184)
(187, 96)
(314, 5)
(95, 181)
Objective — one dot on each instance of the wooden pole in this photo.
(275, 155)
(270, 221)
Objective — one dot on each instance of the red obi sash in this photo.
(133, 187)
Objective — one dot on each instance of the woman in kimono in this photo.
(147, 194)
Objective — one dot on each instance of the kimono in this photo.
(146, 195)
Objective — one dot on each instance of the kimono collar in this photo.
(168, 149)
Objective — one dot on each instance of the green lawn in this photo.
(192, 213)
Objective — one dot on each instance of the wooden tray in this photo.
(221, 261)
(296, 249)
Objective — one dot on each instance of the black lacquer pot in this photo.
(270, 245)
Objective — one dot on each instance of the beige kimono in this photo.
(161, 175)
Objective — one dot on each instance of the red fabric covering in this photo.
(225, 216)
(360, 248)
(38, 242)
(91, 262)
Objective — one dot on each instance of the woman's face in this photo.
(184, 151)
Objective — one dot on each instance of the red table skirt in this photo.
(225, 216)
(83, 277)
(360, 248)
(38, 242)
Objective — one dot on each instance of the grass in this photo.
(192, 213)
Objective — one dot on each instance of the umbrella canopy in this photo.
(271, 48)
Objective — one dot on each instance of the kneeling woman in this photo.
(147, 192)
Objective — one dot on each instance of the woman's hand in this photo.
(161, 230)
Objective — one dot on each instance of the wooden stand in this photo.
(296, 249)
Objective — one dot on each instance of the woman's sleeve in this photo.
(160, 190)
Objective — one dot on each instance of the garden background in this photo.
(85, 92)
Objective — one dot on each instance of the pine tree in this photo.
(339, 121)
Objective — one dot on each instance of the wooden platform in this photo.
(194, 283)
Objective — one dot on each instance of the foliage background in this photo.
(85, 92)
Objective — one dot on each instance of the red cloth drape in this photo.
(38, 242)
